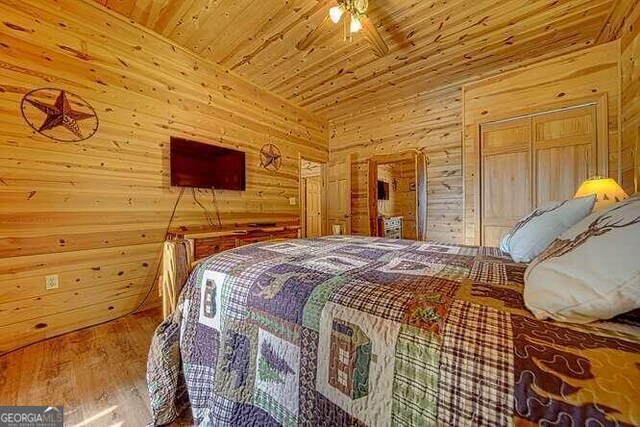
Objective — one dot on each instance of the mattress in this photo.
(343, 331)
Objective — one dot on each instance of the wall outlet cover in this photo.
(51, 282)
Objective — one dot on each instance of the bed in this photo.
(350, 331)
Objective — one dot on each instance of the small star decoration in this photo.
(60, 114)
(270, 157)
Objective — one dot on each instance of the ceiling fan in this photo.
(354, 18)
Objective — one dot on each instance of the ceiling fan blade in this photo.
(373, 36)
(306, 42)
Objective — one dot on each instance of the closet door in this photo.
(506, 177)
(564, 152)
(529, 161)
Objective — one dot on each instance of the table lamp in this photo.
(607, 191)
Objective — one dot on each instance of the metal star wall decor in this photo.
(270, 157)
(59, 115)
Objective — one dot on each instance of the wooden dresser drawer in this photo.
(253, 238)
(207, 247)
(392, 228)
(389, 223)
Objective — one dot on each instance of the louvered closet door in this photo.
(506, 177)
(565, 152)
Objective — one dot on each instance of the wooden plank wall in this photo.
(95, 212)
(630, 83)
(556, 83)
(309, 169)
(425, 121)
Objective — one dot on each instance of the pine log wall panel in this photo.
(430, 122)
(630, 83)
(556, 83)
(95, 212)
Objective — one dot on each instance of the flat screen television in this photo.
(383, 190)
(199, 165)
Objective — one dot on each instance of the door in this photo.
(529, 161)
(506, 177)
(313, 206)
(339, 194)
(411, 192)
(564, 152)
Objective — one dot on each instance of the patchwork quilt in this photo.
(348, 331)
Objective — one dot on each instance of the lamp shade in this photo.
(335, 13)
(606, 190)
(356, 25)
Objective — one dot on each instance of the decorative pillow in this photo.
(592, 271)
(533, 233)
(504, 243)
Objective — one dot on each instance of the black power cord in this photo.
(166, 233)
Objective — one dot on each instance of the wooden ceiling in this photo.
(434, 43)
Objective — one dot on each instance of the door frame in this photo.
(372, 186)
(302, 195)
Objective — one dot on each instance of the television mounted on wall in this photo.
(383, 190)
(199, 165)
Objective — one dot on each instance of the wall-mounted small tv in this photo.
(383, 190)
(199, 165)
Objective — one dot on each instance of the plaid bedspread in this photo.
(346, 331)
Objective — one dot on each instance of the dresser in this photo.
(390, 228)
(210, 242)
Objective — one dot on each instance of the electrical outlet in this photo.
(292, 201)
(51, 282)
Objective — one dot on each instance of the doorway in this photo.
(398, 196)
(312, 198)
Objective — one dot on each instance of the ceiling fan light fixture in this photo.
(335, 13)
(356, 25)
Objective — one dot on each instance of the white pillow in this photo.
(592, 271)
(504, 243)
(533, 233)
